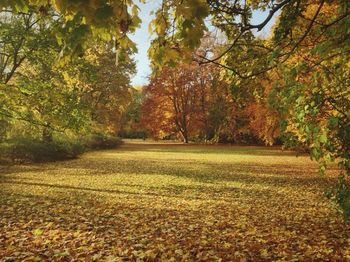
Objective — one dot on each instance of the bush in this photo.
(28, 149)
(103, 141)
(130, 134)
(32, 150)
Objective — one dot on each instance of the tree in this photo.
(20, 37)
(131, 118)
(195, 103)
(81, 21)
(42, 96)
(172, 102)
(313, 96)
(32, 84)
(107, 93)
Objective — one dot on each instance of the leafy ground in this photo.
(168, 201)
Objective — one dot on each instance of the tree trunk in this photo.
(47, 134)
(185, 139)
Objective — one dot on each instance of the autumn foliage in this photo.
(66, 71)
(192, 102)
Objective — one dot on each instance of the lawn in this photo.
(166, 202)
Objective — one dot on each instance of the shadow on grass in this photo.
(246, 173)
(206, 173)
(211, 149)
(185, 192)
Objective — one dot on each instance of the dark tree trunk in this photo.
(47, 134)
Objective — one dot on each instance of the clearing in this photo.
(161, 201)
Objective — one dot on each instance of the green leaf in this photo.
(104, 12)
(37, 232)
(323, 138)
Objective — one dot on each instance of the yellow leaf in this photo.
(37, 232)
(264, 252)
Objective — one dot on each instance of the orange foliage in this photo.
(191, 102)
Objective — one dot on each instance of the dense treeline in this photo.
(193, 103)
(47, 106)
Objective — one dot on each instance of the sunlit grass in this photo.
(170, 201)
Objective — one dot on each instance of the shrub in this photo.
(103, 141)
(130, 134)
(28, 149)
(33, 150)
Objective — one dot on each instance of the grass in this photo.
(166, 202)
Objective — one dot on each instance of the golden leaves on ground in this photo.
(152, 202)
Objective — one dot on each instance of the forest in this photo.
(234, 135)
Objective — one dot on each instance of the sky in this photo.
(142, 38)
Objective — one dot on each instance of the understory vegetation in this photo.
(27, 150)
(171, 202)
